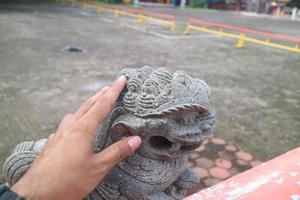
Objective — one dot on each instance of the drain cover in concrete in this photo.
(74, 49)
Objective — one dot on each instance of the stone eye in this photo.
(183, 120)
(186, 118)
(179, 120)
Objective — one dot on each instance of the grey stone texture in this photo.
(172, 115)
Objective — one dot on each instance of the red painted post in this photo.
(277, 179)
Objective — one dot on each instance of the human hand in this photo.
(68, 168)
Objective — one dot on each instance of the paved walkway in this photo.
(217, 160)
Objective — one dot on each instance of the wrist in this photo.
(7, 194)
(23, 189)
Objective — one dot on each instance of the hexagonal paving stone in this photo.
(226, 164)
(230, 148)
(202, 173)
(200, 149)
(211, 181)
(242, 163)
(233, 171)
(204, 162)
(255, 163)
(194, 155)
(226, 155)
(244, 155)
(218, 141)
(219, 173)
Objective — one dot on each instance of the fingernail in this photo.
(105, 89)
(134, 142)
(121, 79)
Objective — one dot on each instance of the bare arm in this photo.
(68, 168)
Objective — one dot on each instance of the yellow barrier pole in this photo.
(98, 9)
(241, 40)
(116, 13)
(141, 18)
(173, 26)
(187, 29)
(73, 3)
(274, 45)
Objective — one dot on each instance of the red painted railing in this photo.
(160, 15)
(243, 30)
(277, 179)
(145, 12)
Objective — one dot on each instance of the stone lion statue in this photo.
(169, 111)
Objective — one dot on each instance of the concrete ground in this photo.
(255, 91)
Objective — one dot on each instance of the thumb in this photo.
(116, 152)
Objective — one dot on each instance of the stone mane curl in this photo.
(156, 92)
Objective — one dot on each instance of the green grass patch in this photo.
(200, 9)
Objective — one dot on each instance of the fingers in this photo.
(116, 152)
(66, 124)
(70, 119)
(99, 111)
(85, 107)
(103, 106)
(51, 139)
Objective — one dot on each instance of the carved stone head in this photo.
(169, 111)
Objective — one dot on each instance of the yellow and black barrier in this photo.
(243, 35)
(141, 15)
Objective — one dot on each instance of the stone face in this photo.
(172, 115)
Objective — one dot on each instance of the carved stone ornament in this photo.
(172, 115)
